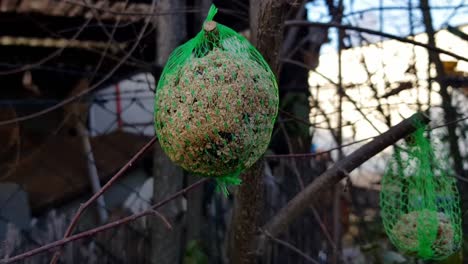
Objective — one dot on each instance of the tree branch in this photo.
(373, 32)
(291, 247)
(337, 172)
(91, 88)
(105, 227)
(104, 188)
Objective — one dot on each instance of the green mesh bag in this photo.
(419, 201)
(216, 104)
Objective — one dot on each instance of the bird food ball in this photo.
(216, 104)
(414, 227)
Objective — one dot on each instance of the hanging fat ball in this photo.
(216, 104)
(419, 201)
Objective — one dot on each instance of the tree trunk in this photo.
(168, 179)
(167, 245)
(450, 112)
(204, 6)
(247, 212)
(194, 218)
(171, 29)
(267, 18)
(266, 21)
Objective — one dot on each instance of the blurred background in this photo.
(77, 83)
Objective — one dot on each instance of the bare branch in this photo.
(102, 228)
(126, 13)
(374, 32)
(47, 58)
(390, 8)
(329, 178)
(309, 155)
(87, 91)
(163, 218)
(291, 247)
(104, 188)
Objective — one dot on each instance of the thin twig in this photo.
(287, 23)
(374, 32)
(342, 92)
(301, 185)
(124, 13)
(104, 188)
(87, 91)
(308, 155)
(293, 162)
(163, 218)
(128, 219)
(451, 122)
(47, 58)
(291, 247)
(296, 118)
(187, 10)
(391, 8)
(102, 228)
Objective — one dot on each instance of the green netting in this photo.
(216, 103)
(420, 202)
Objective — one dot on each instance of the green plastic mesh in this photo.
(420, 202)
(216, 104)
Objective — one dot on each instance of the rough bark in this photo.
(337, 216)
(167, 245)
(266, 22)
(450, 112)
(245, 220)
(204, 6)
(194, 218)
(171, 29)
